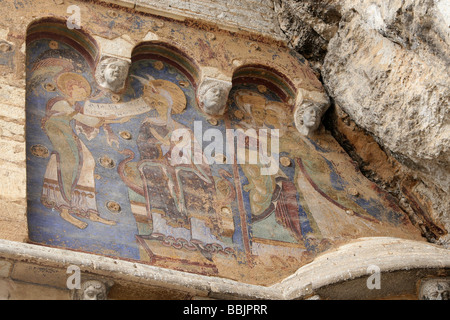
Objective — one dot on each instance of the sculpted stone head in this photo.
(307, 116)
(93, 290)
(212, 95)
(435, 289)
(111, 73)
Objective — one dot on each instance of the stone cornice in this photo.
(348, 262)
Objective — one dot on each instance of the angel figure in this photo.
(69, 185)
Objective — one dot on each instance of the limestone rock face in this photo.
(308, 25)
(398, 94)
(386, 64)
(421, 26)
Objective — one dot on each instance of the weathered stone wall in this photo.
(385, 65)
(13, 223)
(250, 15)
(26, 282)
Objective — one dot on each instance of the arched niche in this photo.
(274, 92)
(53, 29)
(273, 79)
(64, 141)
(167, 53)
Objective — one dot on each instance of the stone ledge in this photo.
(352, 261)
(139, 274)
(349, 262)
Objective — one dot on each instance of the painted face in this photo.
(311, 117)
(78, 93)
(259, 114)
(272, 118)
(158, 102)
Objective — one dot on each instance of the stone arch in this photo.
(169, 54)
(56, 29)
(267, 81)
(270, 77)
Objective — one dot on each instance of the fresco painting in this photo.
(101, 177)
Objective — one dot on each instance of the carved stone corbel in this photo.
(435, 289)
(115, 60)
(308, 114)
(212, 95)
(112, 72)
(93, 289)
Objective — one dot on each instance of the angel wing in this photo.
(49, 67)
(146, 81)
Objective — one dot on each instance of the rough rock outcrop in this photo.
(386, 65)
(308, 25)
(398, 93)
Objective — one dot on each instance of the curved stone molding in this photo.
(138, 274)
(354, 261)
(54, 29)
(268, 77)
(348, 262)
(212, 95)
(165, 50)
